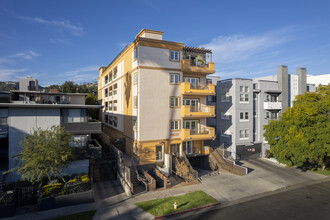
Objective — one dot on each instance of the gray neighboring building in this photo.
(20, 117)
(28, 84)
(244, 106)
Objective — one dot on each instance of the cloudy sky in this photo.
(63, 40)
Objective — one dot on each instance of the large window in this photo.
(159, 152)
(74, 115)
(244, 94)
(174, 55)
(243, 134)
(187, 147)
(244, 116)
(174, 102)
(225, 94)
(175, 125)
(174, 79)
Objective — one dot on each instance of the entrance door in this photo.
(175, 149)
(194, 82)
(192, 125)
(193, 104)
(159, 152)
(187, 147)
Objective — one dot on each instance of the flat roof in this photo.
(48, 93)
(29, 105)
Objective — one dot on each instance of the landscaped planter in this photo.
(65, 200)
(7, 210)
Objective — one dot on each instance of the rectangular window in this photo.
(244, 134)
(110, 91)
(246, 97)
(174, 55)
(115, 70)
(246, 89)
(174, 102)
(135, 125)
(106, 79)
(110, 105)
(111, 120)
(135, 148)
(187, 147)
(115, 89)
(135, 101)
(175, 125)
(110, 77)
(174, 79)
(244, 116)
(135, 78)
(115, 105)
(241, 97)
(115, 121)
(159, 152)
(106, 92)
(106, 106)
(241, 88)
(135, 54)
(225, 94)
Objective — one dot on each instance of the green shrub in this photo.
(52, 190)
(76, 187)
(268, 154)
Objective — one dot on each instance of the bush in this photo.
(6, 198)
(85, 178)
(268, 154)
(52, 190)
(76, 187)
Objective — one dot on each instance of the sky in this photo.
(61, 40)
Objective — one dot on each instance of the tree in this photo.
(44, 154)
(302, 134)
(91, 99)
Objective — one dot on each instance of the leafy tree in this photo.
(302, 134)
(69, 87)
(44, 154)
(91, 99)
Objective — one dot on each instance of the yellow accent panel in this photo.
(207, 111)
(186, 67)
(187, 135)
(148, 31)
(208, 89)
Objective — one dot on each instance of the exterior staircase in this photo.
(219, 163)
(182, 167)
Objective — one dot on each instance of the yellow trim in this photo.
(148, 31)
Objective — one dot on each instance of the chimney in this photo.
(283, 86)
(301, 72)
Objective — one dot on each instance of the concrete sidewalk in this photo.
(265, 177)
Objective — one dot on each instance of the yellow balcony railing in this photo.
(189, 89)
(191, 111)
(204, 134)
(190, 67)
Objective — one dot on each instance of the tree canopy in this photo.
(44, 154)
(71, 87)
(91, 99)
(302, 134)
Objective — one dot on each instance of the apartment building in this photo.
(25, 111)
(154, 93)
(244, 106)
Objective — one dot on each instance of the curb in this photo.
(188, 210)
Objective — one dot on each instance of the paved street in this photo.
(306, 202)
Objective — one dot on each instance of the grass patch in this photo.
(325, 172)
(79, 216)
(164, 206)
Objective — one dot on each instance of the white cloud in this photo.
(82, 74)
(10, 74)
(28, 55)
(59, 41)
(240, 47)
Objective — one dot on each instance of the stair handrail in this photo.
(193, 172)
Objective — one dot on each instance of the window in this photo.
(135, 78)
(110, 91)
(74, 115)
(174, 79)
(106, 106)
(244, 134)
(115, 121)
(111, 120)
(211, 98)
(135, 54)
(135, 101)
(175, 125)
(271, 115)
(159, 152)
(106, 79)
(244, 116)
(115, 105)
(135, 125)
(106, 92)
(187, 147)
(110, 77)
(110, 105)
(175, 149)
(115, 89)
(135, 148)
(244, 95)
(78, 141)
(115, 70)
(174, 102)
(174, 55)
(267, 98)
(225, 94)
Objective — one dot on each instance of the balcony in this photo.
(204, 134)
(273, 105)
(195, 112)
(192, 66)
(91, 127)
(189, 89)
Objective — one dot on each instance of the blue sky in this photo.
(63, 40)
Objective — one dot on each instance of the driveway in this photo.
(264, 176)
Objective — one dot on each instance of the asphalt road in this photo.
(306, 202)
